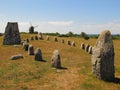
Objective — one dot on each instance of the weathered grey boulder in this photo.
(68, 42)
(82, 46)
(15, 57)
(25, 46)
(56, 59)
(90, 50)
(55, 39)
(87, 47)
(73, 44)
(30, 50)
(47, 38)
(12, 35)
(38, 55)
(103, 57)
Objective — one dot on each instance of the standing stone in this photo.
(56, 59)
(87, 47)
(90, 50)
(73, 44)
(27, 40)
(55, 39)
(82, 46)
(31, 50)
(12, 35)
(63, 41)
(36, 37)
(68, 42)
(47, 38)
(31, 38)
(103, 57)
(25, 46)
(38, 55)
(40, 36)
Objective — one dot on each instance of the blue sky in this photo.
(90, 16)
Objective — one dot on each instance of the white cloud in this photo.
(66, 26)
(61, 23)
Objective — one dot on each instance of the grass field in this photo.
(28, 74)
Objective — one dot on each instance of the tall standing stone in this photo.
(103, 57)
(38, 55)
(12, 35)
(56, 59)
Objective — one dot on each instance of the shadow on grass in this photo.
(64, 68)
(41, 60)
(116, 80)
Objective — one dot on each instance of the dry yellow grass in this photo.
(28, 74)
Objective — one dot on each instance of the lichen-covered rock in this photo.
(56, 59)
(103, 57)
(38, 55)
(12, 35)
(31, 50)
(15, 57)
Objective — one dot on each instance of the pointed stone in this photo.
(103, 57)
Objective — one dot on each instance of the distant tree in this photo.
(70, 33)
(57, 33)
(84, 35)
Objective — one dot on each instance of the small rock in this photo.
(15, 57)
